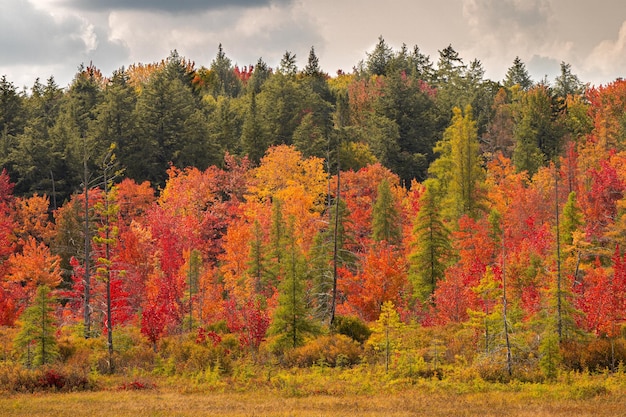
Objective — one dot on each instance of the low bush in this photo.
(16, 378)
(352, 327)
(334, 350)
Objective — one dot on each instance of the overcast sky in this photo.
(40, 38)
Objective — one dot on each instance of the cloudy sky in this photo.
(40, 38)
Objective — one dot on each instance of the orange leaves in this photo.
(32, 218)
(234, 261)
(383, 277)
(33, 267)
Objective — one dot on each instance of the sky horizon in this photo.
(43, 38)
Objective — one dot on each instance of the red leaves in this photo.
(250, 320)
(603, 297)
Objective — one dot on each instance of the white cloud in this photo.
(608, 58)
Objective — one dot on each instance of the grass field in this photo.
(426, 400)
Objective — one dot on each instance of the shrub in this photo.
(595, 355)
(334, 350)
(16, 378)
(183, 355)
(137, 385)
(352, 327)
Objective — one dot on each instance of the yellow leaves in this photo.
(283, 173)
(301, 184)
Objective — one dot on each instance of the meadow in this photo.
(328, 392)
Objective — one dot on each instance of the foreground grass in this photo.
(171, 402)
(308, 394)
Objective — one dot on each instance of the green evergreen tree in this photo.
(379, 58)
(258, 268)
(291, 320)
(227, 83)
(459, 169)
(566, 83)
(36, 339)
(171, 128)
(12, 109)
(115, 120)
(537, 133)
(572, 219)
(431, 249)
(260, 74)
(288, 64)
(254, 139)
(312, 68)
(414, 112)
(386, 223)
(517, 74)
(309, 138)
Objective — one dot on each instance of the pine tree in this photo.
(254, 139)
(379, 58)
(518, 75)
(36, 339)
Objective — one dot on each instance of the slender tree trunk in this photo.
(333, 302)
(559, 305)
(87, 278)
(509, 365)
(107, 246)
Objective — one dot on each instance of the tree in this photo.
(387, 329)
(32, 268)
(379, 58)
(567, 84)
(291, 320)
(386, 225)
(537, 134)
(517, 74)
(288, 64)
(411, 105)
(254, 138)
(458, 169)
(312, 68)
(430, 248)
(115, 121)
(36, 339)
(227, 82)
(12, 114)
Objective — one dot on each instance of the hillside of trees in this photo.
(411, 214)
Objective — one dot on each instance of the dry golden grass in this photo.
(170, 402)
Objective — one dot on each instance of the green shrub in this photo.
(352, 327)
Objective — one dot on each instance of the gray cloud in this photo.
(30, 36)
(168, 6)
(34, 43)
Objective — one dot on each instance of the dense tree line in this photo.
(279, 202)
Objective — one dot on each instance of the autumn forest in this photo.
(411, 217)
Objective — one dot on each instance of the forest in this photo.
(410, 216)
